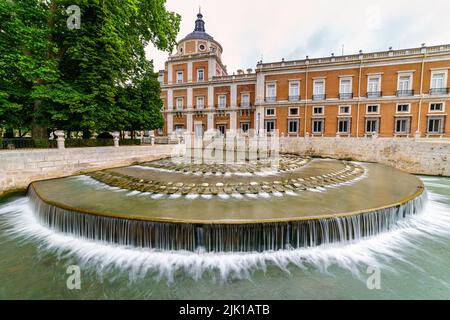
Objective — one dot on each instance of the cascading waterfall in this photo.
(223, 237)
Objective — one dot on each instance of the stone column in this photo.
(60, 134)
(170, 99)
(169, 73)
(169, 124)
(190, 98)
(211, 68)
(210, 122)
(233, 121)
(190, 71)
(189, 122)
(116, 136)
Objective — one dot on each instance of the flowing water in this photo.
(413, 259)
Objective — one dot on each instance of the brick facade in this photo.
(397, 93)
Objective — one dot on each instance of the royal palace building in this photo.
(401, 93)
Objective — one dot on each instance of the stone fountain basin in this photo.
(381, 187)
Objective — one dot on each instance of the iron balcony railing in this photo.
(200, 107)
(345, 96)
(221, 106)
(319, 96)
(271, 99)
(405, 93)
(438, 91)
(374, 94)
(294, 98)
(245, 105)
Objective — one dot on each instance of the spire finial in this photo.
(199, 23)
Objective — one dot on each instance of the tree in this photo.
(80, 79)
(24, 61)
(139, 104)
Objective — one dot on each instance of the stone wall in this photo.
(421, 156)
(18, 168)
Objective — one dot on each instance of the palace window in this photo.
(293, 112)
(180, 103)
(200, 74)
(245, 100)
(438, 83)
(222, 128)
(403, 108)
(402, 125)
(245, 126)
(319, 89)
(270, 112)
(372, 125)
(373, 108)
(179, 76)
(435, 125)
(200, 102)
(270, 125)
(344, 110)
(294, 90)
(293, 126)
(405, 85)
(317, 111)
(271, 92)
(317, 126)
(222, 101)
(345, 88)
(374, 87)
(344, 125)
(179, 129)
(436, 107)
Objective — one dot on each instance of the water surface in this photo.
(414, 261)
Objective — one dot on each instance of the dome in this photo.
(199, 32)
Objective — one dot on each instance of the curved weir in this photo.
(224, 237)
(118, 206)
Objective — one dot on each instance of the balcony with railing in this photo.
(438, 91)
(374, 94)
(294, 98)
(245, 105)
(405, 93)
(221, 106)
(345, 96)
(317, 97)
(271, 99)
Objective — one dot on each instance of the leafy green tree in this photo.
(91, 79)
(139, 104)
(25, 63)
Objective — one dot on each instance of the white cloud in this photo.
(292, 29)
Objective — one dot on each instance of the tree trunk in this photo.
(38, 131)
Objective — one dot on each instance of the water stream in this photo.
(413, 257)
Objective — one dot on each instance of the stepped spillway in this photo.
(177, 205)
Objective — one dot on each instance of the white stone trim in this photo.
(437, 113)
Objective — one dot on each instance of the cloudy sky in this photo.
(250, 30)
